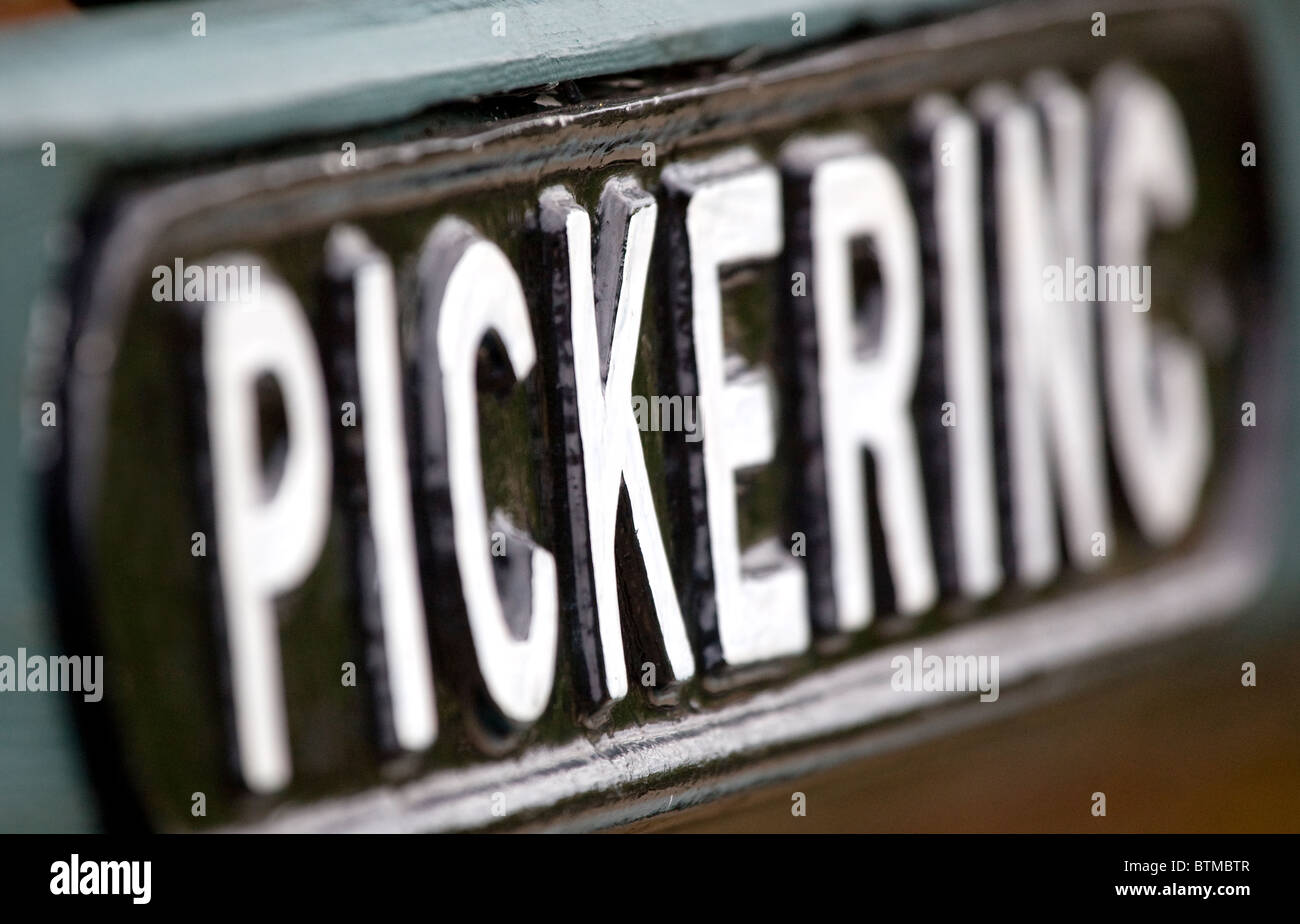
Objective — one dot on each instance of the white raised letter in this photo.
(611, 440)
(955, 161)
(734, 215)
(1156, 390)
(471, 290)
(1047, 347)
(866, 392)
(267, 545)
(405, 633)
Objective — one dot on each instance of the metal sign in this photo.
(608, 449)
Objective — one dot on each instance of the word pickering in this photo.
(1063, 177)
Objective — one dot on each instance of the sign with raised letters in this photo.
(387, 464)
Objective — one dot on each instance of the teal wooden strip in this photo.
(264, 69)
(43, 786)
(1275, 28)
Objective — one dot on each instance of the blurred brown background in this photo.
(1171, 737)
